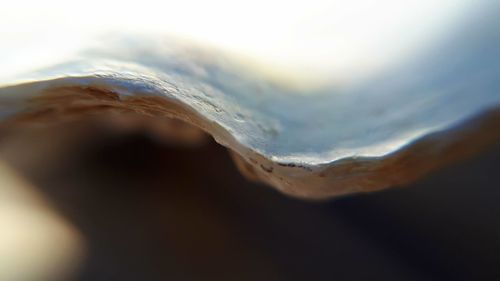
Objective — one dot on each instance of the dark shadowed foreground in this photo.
(151, 209)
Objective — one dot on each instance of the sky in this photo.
(316, 41)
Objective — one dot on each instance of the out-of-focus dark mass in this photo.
(140, 208)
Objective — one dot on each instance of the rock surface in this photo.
(433, 109)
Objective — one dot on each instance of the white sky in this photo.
(317, 40)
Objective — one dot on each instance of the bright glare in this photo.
(316, 40)
(35, 242)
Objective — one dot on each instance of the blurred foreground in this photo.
(145, 208)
